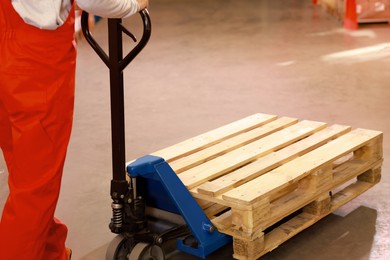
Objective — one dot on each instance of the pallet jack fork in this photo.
(152, 185)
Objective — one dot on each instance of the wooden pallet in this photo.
(265, 178)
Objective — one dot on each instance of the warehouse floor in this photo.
(209, 63)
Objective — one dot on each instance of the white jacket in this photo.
(50, 14)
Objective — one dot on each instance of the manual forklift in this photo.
(150, 205)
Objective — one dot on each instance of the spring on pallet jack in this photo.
(117, 214)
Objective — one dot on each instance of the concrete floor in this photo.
(209, 63)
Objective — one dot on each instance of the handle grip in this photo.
(122, 64)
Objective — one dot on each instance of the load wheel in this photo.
(121, 248)
(144, 251)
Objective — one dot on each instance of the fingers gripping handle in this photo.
(122, 64)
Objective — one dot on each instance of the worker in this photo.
(37, 77)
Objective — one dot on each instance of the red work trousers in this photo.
(37, 77)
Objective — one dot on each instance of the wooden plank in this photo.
(214, 136)
(292, 171)
(224, 223)
(287, 230)
(354, 168)
(214, 209)
(271, 161)
(230, 144)
(250, 152)
(349, 193)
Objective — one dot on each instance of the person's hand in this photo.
(143, 4)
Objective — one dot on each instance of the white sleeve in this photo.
(110, 8)
(44, 14)
(50, 14)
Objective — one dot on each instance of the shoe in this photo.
(69, 253)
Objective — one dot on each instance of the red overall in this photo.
(37, 77)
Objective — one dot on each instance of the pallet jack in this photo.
(150, 206)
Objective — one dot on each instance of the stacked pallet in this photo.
(265, 178)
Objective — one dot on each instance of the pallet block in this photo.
(265, 178)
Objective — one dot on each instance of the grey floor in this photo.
(209, 63)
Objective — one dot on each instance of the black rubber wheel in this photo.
(144, 251)
(119, 249)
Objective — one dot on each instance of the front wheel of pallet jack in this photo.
(144, 251)
(118, 249)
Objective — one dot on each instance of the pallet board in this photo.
(265, 178)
